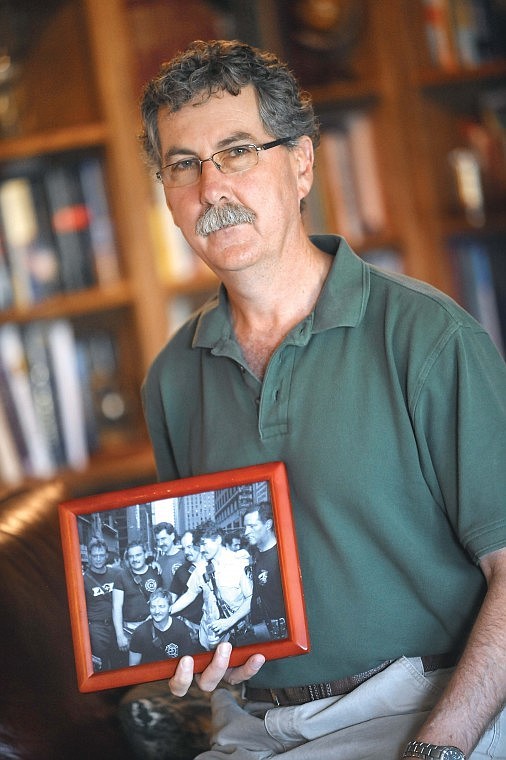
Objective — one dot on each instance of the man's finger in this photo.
(246, 671)
(182, 678)
(215, 671)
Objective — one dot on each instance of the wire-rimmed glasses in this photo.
(239, 158)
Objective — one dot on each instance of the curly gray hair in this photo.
(206, 68)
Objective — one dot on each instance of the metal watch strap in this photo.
(428, 751)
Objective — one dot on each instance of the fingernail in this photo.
(186, 663)
(225, 648)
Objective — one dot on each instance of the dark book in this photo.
(70, 221)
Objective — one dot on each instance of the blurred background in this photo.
(94, 277)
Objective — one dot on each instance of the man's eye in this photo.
(185, 165)
(240, 150)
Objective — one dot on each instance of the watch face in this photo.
(452, 753)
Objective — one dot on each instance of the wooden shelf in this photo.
(78, 303)
(54, 141)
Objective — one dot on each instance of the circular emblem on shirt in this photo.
(150, 585)
(171, 650)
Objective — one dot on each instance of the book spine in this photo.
(365, 170)
(19, 224)
(11, 470)
(6, 291)
(103, 242)
(43, 390)
(343, 206)
(12, 355)
(63, 357)
(71, 226)
(30, 246)
(439, 34)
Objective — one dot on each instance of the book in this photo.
(38, 461)
(340, 192)
(30, 247)
(64, 366)
(108, 403)
(6, 292)
(465, 32)
(43, 388)
(11, 470)
(102, 238)
(437, 16)
(364, 163)
(475, 279)
(70, 219)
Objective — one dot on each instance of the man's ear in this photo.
(304, 154)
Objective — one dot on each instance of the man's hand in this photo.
(216, 671)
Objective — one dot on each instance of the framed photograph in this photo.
(160, 571)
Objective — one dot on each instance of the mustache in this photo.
(227, 215)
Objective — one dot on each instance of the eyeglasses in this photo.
(239, 158)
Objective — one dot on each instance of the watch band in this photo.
(427, 751)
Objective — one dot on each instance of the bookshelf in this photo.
(413, 123)
(430, 77)
(74, 97)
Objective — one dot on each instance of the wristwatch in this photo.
(433, 751)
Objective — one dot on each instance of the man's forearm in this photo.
(477, 689)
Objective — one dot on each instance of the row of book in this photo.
(347, 193)
(60, 396)
(56, 230)
(479, 162)
(479, 268)
(464, 33)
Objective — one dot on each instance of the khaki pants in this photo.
(375, 720)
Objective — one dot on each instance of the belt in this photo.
(298, 695)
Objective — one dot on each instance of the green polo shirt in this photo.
(388, 406)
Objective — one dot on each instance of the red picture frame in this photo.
(79, 514)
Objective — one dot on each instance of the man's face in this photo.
(98, 558)
(235, 544)
(209, 547)
(136, 557)
(191, 552)
(272, 189)
(165, 541)
(159, 609)
(255, 530)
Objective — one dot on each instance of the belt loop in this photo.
(274, 697)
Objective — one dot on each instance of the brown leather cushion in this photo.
(42, 713)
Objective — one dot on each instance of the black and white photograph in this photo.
(181, 572)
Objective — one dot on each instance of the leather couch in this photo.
(42, 714)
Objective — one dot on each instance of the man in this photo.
(385, 401)
(98, 585)
(233, 541)
(160, 637)
(222, 581)
(268, 615)
(168, 556)
(132, 589)
(179, 585)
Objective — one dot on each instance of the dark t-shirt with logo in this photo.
(155, 645)
(137, 588)
(98, 589)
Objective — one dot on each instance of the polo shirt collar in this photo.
(341, 303)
